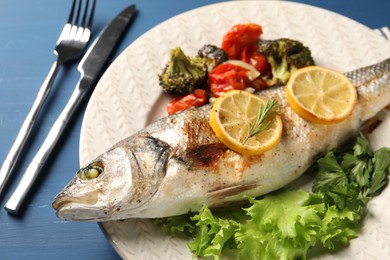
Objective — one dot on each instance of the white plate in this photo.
(128, 97)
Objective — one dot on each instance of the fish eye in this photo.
(90, 172)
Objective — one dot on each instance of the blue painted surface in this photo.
(28, 32)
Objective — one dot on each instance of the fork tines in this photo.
(78, 27)
(82, 22)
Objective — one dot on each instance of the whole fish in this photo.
(177, 164)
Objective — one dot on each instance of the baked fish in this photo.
(177, 164)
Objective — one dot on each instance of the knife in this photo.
(91, 67)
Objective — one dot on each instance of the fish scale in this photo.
(368, 81)
(177, 164)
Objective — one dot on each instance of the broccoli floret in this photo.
(183, 74)
(213, 54)
(285, 56)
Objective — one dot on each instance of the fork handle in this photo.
(25, 130)
(17, 199)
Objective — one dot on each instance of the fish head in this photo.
(116, 183)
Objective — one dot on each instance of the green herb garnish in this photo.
(259, 124)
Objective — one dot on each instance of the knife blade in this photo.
(91, 67)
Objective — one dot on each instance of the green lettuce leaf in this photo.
(282, 225)
(338, 227)
(212, 234)
(176, 225)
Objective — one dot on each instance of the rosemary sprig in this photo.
(257, 126)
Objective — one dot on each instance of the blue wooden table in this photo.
(28, 32)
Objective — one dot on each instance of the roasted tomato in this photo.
(196, 98)
(226, 77)
(239, 37)
(240, 42)
(252, 56)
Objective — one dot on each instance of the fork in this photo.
(70, 45)
(384, 31)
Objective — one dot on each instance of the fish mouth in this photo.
(66, 205)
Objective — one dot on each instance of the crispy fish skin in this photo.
(177, 164)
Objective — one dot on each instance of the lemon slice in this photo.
(231, 116)
(321, 95)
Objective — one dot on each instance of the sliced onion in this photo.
(252, 73)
